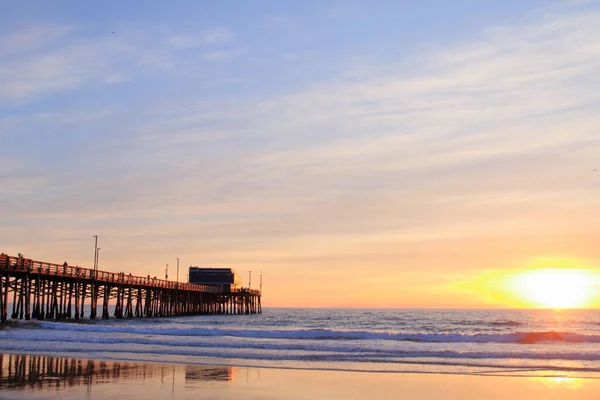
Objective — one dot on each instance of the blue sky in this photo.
(326, 137)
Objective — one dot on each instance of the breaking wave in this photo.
(328, 334)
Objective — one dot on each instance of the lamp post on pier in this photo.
(177, 289)
(95, 254)
(93, 288)
(97, 260)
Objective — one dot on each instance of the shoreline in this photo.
(59, 377)
(453, 368)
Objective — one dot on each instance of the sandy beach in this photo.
(43, 377)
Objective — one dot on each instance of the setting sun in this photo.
(555, 287)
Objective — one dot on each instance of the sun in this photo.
(555, 287)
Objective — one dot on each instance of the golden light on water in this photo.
(555, 287)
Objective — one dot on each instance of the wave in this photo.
(507, 323)
(566, 361)
(291, 350)
(329, 334)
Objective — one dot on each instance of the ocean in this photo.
(496, 342)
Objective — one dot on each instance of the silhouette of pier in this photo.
(41, 290)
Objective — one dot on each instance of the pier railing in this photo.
(20, 264)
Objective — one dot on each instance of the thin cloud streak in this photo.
(495, 138)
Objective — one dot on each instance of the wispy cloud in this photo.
(56, 67)
(483, 123)
(225, 54)
(213, 36)
(217, 35)
(35, 62)
(408, 160)
(32, 39)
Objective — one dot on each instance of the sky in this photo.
(354, 153)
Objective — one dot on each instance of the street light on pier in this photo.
(95, 253)
(167, 272)
(177, 289)
(97, 259)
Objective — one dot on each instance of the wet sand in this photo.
(43, 377)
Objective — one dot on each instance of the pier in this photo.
(41, 290)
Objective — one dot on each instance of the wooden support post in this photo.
(129, 304)
(4, 297)
(42, 294)
(69, 299)
(21, 297)
(60, 299)
(118, 310)
(107, 289)
(53, 300)
(138, 303)
(14, 313)
(147, 307)
(44, 302)
(28, 298)
(94, 300)
(77, 300)
(36, 299)
(83, 287)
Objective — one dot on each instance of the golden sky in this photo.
(425, 168)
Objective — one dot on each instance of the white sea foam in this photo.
(330, 334)
(336, 339)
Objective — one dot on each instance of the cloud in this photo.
(48, 59)
(279, 21)
(77, 116)
(32, 38)
(495, 138)
(470, 141)
(215, 36)
(61, 64)
(116, 77)
(183, 42)
(225, 54)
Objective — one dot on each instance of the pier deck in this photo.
(43, 290)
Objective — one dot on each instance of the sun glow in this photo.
(555, 287)
(562, 382)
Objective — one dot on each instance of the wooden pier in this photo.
(41, 290)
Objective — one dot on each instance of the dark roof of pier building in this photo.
(212, 275)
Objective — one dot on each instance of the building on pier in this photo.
(224, 279)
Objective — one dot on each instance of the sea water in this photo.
(504, 342)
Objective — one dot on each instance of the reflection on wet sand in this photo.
(562, 382)
(34, 377)
(43, 372)
(201, 373)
